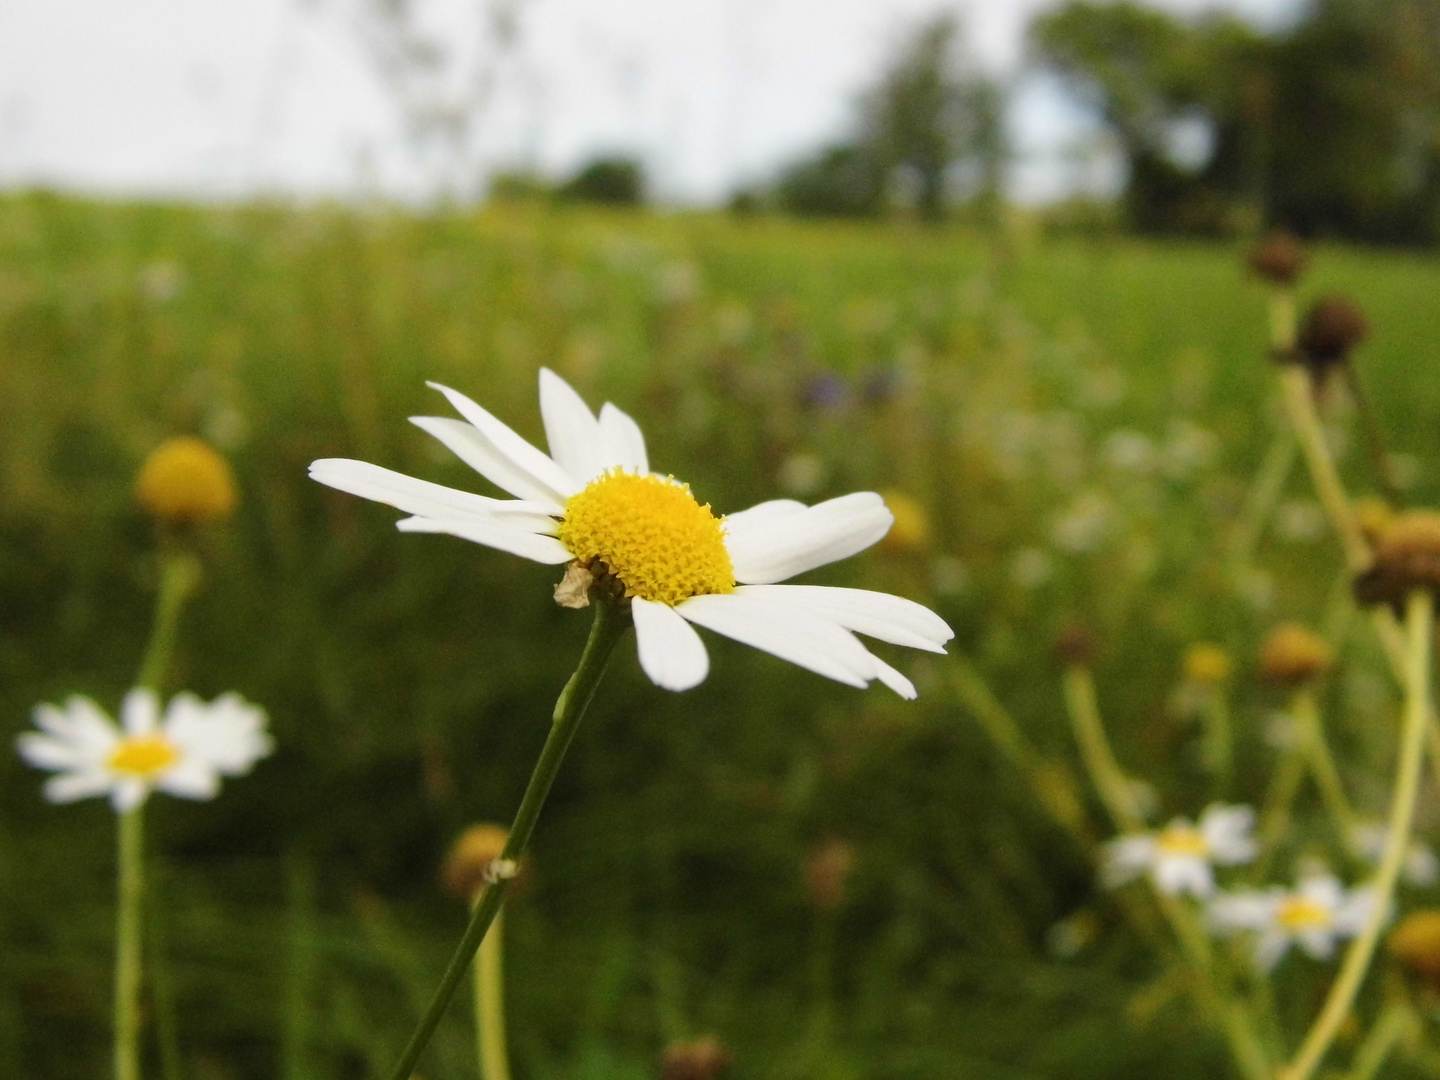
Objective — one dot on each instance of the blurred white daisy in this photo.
(593, 501)
(1179, 858)
(1420, 867)
(1316, 914)
(183, 753)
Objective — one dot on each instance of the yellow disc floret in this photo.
(144, 755)
(1182, 840)
(651, 534)
(1298, 914)
(185, 479)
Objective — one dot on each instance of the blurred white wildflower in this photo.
(1299, 520)
(1316, 914)
(1129, 451)
(1068, 937)
(1031, 568)
(1083, 525)
(1420, 867)
(1257, 588)
(1102, 388)
(1188, 448)
(677, 282)
(1179, 858)
(801, 474)
(184, 753)
(162, 281)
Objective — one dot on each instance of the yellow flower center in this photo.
(1182, 840)
(185, 479)
(1298, 914)
(651, 534)
(144, 755)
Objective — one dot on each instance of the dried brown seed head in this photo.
(702, 1059)
(1278, 258)
(1407, 557)
(826, 872)
(1293, 655)
(1331, 328)
(1075, 647)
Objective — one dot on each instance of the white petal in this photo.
(226, 736)
(762, 515)
(671, 652)
(875, 614)
(48, 752)
(1421, 866)
(1248, 910)
(571, 429)
(1177, 874)
(190, 779)
(67, 787)
(127, 794)
(521, 454)
(893, 679)
(1126, 857)
(789, 633)
(1318, 943)
(624, 441)
(427, 499)
(778, 545)
(1227, 834)
(140, 712)
(1270, 948)
(528, 545)
(473, 448)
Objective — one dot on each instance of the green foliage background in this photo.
(1010, 384)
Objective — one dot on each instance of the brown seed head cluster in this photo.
(468, 865)
(1407, 557)
(1278, 258)
(702, 1059)
(185, 480)
(1331, 328)
(1293, 655)
(826, 872)
(1415, 943)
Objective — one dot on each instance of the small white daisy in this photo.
(1420, 868)
(1180, 856)
(593, 500)
(184, 753)
(1316, 914)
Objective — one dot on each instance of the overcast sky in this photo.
(226, 97)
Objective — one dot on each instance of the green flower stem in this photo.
(1114, 787)
(1282, 320)
(1396, 1022)
(1299, 398)
(1275, 814)
(131, 857)
(1052, 782)
(1260, 500)
(1306, 715)
(605, 633)
(1117, 794)
(1217, 741)
(1419, 628)
(1374, 437)
(490, 1003)
(179, 577)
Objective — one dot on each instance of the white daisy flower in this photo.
(1316, 914)
(1180, 856)
(184, 753)
(1420, 868)
(593, 499)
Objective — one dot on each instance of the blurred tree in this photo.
(1332, 126)
(929, 131)
(619, 181)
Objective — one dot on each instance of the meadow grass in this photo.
(1078, 418)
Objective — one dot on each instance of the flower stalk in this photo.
(131, 890)
(1419, 627)
(490, 1003)
(605, 633)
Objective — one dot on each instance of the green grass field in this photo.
(1078, 419)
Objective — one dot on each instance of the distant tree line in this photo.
(1329, 127)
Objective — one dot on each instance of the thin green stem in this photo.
(1311, 733)
(1260, 500)
(490, 1003)
(1275, 815)
(605, 633)
(179, 576)
(131, 887)
(1374, 437)
(1419, 627)
(1052, 782)
(1397, 1021)
(1114, 787)
(1217, 742)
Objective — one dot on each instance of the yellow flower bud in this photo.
(186, 480)
(469, 865)
(703, 1059)
(1293, 655)
(911, 530)
(1206, 663)
(1407, 557)
(1415, 943)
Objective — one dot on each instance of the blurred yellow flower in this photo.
(186, 480)
(1293, 655)
(1415, 943)
(911, 529)
(1207, 664)
(469, 866)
